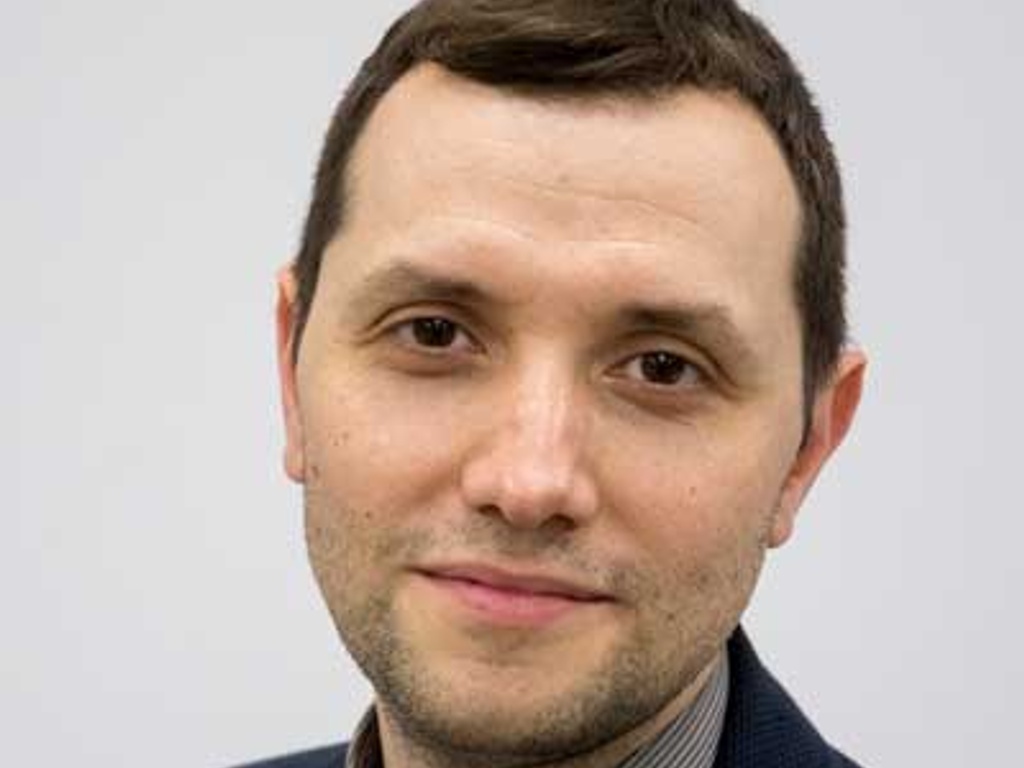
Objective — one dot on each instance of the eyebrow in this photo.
(405, 281)
(709, 324)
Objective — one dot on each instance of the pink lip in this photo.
(508, 598)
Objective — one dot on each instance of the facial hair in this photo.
(678, 628)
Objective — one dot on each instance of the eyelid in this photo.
(651, 341)
(698, 369)
(407, 317)
(409, 311)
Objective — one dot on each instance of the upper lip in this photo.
(501, 578)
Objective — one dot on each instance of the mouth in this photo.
(509, 598)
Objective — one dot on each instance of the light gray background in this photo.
(155, 163)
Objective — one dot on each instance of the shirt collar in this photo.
(689, 741)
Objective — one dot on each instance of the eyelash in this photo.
(406, 331)
(692, 373)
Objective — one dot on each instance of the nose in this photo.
(529, 467)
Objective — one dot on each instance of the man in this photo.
(561, 354)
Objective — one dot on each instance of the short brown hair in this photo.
(632, 48)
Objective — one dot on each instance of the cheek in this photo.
(376, 445)
(706, 545)
(693, 497)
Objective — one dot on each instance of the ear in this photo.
(831, 415)
(294, 455)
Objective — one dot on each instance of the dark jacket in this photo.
(763, 726)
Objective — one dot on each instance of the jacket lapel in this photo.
(764, 728)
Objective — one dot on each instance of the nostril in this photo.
(491, 510)
(522, 533)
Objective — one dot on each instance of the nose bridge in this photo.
(544, 419)
(531, 466)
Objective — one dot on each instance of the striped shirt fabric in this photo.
(689, 741)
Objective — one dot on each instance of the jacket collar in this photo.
(764, 728)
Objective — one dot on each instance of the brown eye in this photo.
(663, 367)
(434, 331)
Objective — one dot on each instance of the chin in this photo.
(493, 713)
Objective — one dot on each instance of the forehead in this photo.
(686, 191)
(693, 154)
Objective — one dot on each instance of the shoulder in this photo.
(764, 727)
(324, 757)
(839, 760)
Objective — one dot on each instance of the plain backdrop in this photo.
(155, 162)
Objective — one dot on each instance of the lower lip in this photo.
(508, 607)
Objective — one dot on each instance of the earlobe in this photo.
(832, 414)
(294, 455)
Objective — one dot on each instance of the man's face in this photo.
(547, 410)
